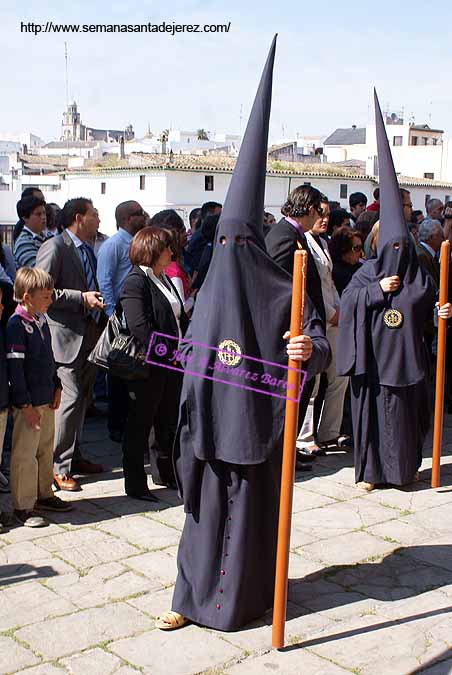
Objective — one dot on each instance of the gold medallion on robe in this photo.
(230, 353)
(393, 318)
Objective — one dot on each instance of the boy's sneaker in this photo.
(4, 483)
(30, 518)
(53, 504)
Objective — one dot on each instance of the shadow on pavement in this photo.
(406, 572)
(14, 574)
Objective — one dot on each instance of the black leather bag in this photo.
(119, 352)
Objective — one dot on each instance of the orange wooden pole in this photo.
(288, 458)
(440, 366)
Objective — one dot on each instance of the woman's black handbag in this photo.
(119, 352)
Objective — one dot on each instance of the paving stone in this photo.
(85, 514)
(100, 585)
(22, 604)
(437, 553)
(21, 552)
(442, 668)
(286, 663)
(373, 646)
(84, 629)
(14, 656)
(154, 603)
(87, 547)
(305, 500)
(23, 572)
(394, 577)
(257, 636)
(143, 532)
(43, 669)
(344, 475)
(122, 505)
(173, 517)
(405, 533)
(333, 601)
(436, 520)
(191, 650)
(427, 609)
(159, 566)
(347, 548)
(337, 519)
(388, 614)
(416, 497)
(19, 534)
(329, 488)
(301, 568)
(93, 662)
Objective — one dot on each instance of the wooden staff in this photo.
(440, 366)
(288, 457)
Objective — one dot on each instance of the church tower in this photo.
(71, 128)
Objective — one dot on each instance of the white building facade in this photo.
(183, 190)
(418, 150)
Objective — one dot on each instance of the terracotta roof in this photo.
(213, 163)
(44, 159)
(217, 164)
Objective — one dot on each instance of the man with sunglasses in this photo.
(113, 266)
(301, 210)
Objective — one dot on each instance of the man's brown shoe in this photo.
(65, 482)
(83, 466)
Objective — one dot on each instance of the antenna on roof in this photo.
(241, 115)
(67, 77)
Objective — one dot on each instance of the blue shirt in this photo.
(27, 246)
(113, 266)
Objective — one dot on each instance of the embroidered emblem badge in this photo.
(393, 318)
(230, 354)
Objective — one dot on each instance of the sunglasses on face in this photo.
(357, 248)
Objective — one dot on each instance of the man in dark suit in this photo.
(301, 210)
(431, 237)
(75, 320)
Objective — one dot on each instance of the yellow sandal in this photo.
(170, 621)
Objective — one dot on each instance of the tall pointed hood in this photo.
(243, 209)
(244, 302)
(382, 336)
(392, 221)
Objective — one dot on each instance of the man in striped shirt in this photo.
(33, 213)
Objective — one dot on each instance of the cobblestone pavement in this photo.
(370, 590)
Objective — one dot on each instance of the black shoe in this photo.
(302, 467)
(165, 483)
(145, 497)
(53, 504)
(305, 458)
(30, 518)
(116, 436)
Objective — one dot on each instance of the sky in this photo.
(329, 57)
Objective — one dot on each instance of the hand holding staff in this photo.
(440, 365)
(288, 457)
